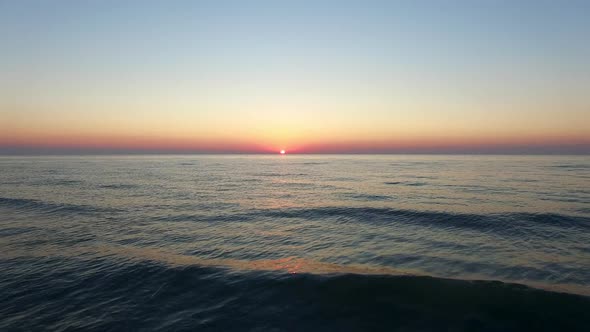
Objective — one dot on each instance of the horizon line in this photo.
(156, 153)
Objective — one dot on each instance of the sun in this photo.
(282, 152)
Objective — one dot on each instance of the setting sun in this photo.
(431, 143)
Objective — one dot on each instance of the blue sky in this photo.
(326, 72)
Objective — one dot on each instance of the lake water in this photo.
(335, 242)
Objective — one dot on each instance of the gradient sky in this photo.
(260, 76)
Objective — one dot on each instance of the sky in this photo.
(305, 76)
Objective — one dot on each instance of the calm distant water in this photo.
(338, 243)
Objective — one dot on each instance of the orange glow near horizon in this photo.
(298, 145)
(262, 130)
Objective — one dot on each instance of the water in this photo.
(337, 243)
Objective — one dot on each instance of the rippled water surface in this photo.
(413, 243)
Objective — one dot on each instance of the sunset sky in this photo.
(261, 76)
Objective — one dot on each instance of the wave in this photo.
(32, 205)
(509, 224)
(572, 166)
(57, 182)
(315, 163)
(499, 222)
(277, 174)
(415, 184)
(104, 294)
(364, 197)
(119, 186)
(406, 183)
(539, 225)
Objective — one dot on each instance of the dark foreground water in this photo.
(335, 243)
